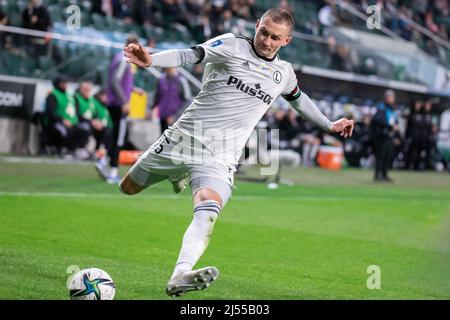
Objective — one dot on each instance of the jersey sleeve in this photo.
(218, 49)
(292, 90)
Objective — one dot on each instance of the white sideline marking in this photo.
(168, 196)
(47, 161)
(77, 195)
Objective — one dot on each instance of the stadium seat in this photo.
(55, 12)
(3, 69)
(45, 63)
(114, 24)
(98, 21)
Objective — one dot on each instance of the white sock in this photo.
(114, 172)
(103, 161)
(306, 154)
(197, 236)
(314, 150)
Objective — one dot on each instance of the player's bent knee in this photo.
(129, 187)
(206, 194)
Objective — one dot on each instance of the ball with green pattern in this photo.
(92, 284)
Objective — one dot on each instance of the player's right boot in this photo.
(191, 281)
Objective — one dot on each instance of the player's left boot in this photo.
(180, 184)
(101, 170)
(191, 281)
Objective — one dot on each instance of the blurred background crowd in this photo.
(414, 130)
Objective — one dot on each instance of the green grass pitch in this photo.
(314, 240)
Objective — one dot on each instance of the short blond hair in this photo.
(279, 15)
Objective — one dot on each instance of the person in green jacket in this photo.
(61, 123)
(93, 113)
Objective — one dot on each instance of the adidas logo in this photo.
(246, 65)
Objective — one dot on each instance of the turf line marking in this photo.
(48, 161)
(168, 196)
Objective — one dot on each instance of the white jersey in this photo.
(238, 88)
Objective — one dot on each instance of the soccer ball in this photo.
(92, 284)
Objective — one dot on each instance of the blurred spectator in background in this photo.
(84, 103)
(430, 134)
(216, 16)
(369, 67)
(61, 121)
(199, 19)
(331, 45)
(359, 148)
(384, 124)
(341, 59)
(287, 121)
(340, 56)
(35, 16)
(3, 22)
(415, 136)
(96, 7)
(284, 4)
(116, 7)
(437, 13)
(343, 16)
(397, 156)
(244, 9)
(404, 28)
(120, 87)
(102, 7)
(93, 113)
(327, 15)
(174, 13)
(310, 137)
(103, 137)
(446, 83)
(444, 138)
(202, 29)
(143, 12)
(151, 43)
(227, 21)
(172, 94)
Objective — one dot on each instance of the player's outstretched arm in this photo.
(138, 55)
(309, 111)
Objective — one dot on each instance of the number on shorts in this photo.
(159, 147)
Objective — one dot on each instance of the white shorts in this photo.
(159, 163)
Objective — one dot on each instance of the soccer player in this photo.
(242, 78)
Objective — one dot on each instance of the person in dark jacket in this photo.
(61, 122)
(359, 149)
(414, 136)
(429, 135)
(36, 16)
(384, 124)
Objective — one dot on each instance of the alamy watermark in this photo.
(212, 145)
(73, 21)
(71, 271)
(374, 280)
(374, 19)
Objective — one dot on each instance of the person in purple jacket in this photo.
(119, 89)
(172, 93)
